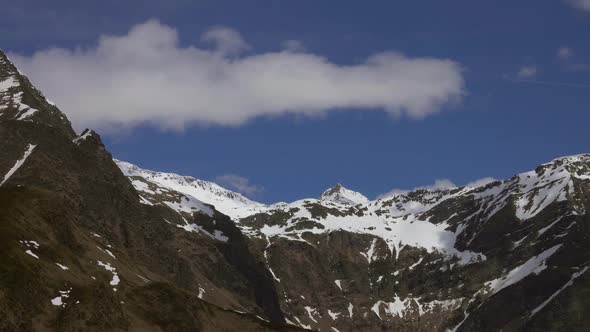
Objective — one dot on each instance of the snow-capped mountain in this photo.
(530, 192)
(89, 243)
(446, 230)
(154, 185)
(340, 195)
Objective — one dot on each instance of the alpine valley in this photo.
(88, 243)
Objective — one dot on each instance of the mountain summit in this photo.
(340, 195)
(21, 101)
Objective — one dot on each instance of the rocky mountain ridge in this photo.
(426, 225)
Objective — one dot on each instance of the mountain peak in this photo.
(228, 202)
(21, 101)
(341, 195)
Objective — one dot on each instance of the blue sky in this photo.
(523, 96)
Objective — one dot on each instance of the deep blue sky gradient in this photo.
(501, 127)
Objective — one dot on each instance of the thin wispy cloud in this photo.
(580, 4)
(528, 74)
(569, 61)
(239, 183)
(555, 83)
(565, 53)
(147, 77)
(528, 71)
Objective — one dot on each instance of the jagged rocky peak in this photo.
(21, 101)
(576, 164)
(341, 195)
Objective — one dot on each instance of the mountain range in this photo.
(97, 244)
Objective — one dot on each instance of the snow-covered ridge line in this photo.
(401, 220)
(226, 201)
(536, 191)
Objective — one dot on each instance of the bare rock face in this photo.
(89, 243)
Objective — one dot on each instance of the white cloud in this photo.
(580, 4)
(528, 71)
(565, 53)
(239, 184)
(146, 77)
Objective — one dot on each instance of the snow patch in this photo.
(217, 234)
(554, 295)
(63, 267)
(30, 253)
(87, 133)
(115, 280)
(371, 252)
(534, 265)
(310, 312)
(59, 300)
(333, 315)
(306, 327)
(411, 267)
(19, 163)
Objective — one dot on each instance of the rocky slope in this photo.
(95, 244)
(81, 252)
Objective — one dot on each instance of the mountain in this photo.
(154, 186)
(92, 243)
(81, 252)
(432, 258)
(340, 195)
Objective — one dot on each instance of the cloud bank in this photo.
(147, 77)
